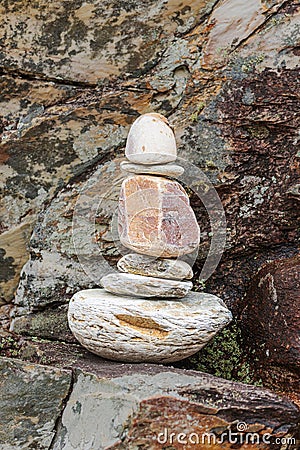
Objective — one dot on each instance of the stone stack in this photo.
(155, 217)
(147, 320)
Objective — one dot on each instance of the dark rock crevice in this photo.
(35, 76)
(58, 422)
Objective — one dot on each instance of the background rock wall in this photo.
(73, 78)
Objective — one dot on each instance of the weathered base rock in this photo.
(168, 170)
(154, 267)
(139, 330)
(5, 311)
(31, 401)
(133, 403)
(50, 324)
(140, 286)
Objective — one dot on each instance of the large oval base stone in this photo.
(140, 330)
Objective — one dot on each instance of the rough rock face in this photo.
(168, 170)
(73, 79)
(139, 330)
(155, 217)
(271, 323)
(61, 268)
(144, 286)
(13, 255)
(31, 402)
(96, 37)
(133, 404)
(155, 267)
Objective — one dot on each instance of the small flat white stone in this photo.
(140, 286)
(139, 330)
(168, 170)
(155, 267)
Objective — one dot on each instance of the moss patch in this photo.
(50, 324)
(224, 357)
(10, 346)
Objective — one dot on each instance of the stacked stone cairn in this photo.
(146, 312)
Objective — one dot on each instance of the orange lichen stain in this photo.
(142, 325)
(3, 155)
(160, 117)
(33, 419)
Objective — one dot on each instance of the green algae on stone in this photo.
(50, 323)
(224, 357)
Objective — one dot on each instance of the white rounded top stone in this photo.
(151, 140)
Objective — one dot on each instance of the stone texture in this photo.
(155, 217)
(132, 402)
(60, 252)
(135, 402)
(31, 403)
(153, 402)
(139, 330)
(261, 211)
(144, 286)
(151, 140)
(107, 39)
(233, 21)
(271, 323)
(13, 255)
(151, 267)
(5, 311)
(51, 324)
(168, 170)
(65, 115)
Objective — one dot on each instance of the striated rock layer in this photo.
(168, 170)
(139, 330)
(155, 217)
(140, 286)
(270, 323)
(132, 402)
(151, 267)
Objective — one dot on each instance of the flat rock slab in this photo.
(31, 401)
(155, 267)
(168, 170)
(114, 404)
(147, 287)
(155, 217)
(138, 330)
(154, 405)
